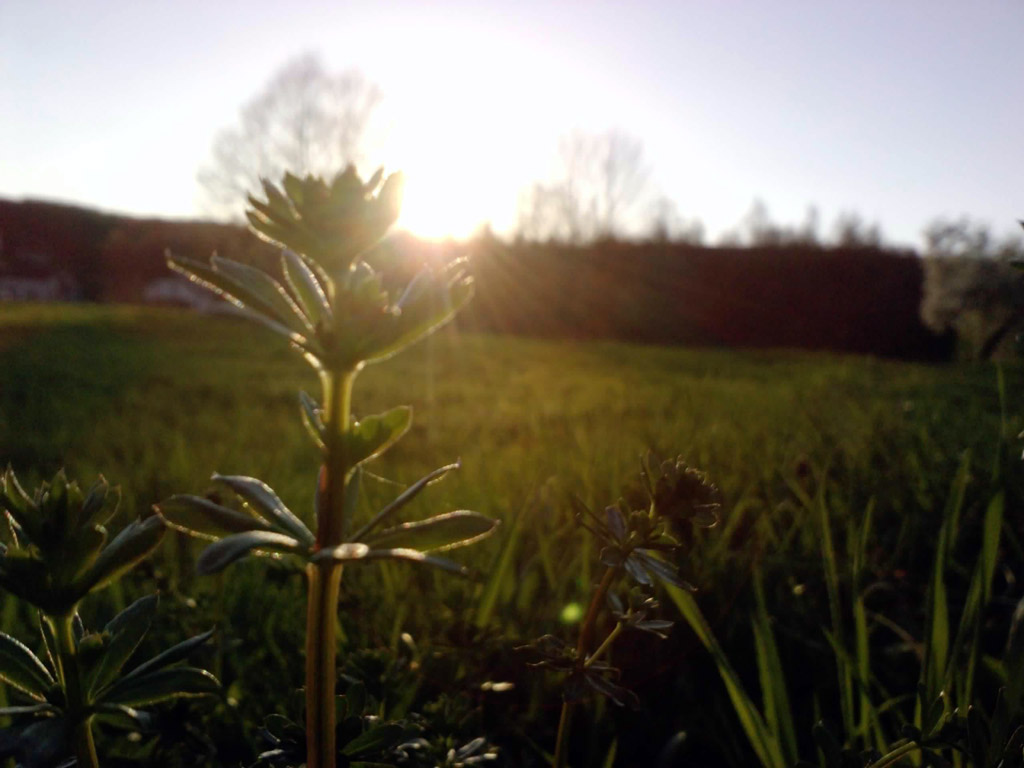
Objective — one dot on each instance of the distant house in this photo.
(52, 287)
(178, 291)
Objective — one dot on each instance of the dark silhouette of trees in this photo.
(757, 230)
(861, 300)
(305, 120)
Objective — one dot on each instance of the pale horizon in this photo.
(901, 114)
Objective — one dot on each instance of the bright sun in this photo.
(439, 204)
(454, 183)
(464, 150)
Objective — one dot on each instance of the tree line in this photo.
(861, 299)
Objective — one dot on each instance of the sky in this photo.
(902, 111)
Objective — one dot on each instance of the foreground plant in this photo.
(54, 553)
(639, 549)
(369, 734)
(333, 308)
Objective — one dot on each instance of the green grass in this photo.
(157, 400)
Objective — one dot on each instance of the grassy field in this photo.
(157, 400)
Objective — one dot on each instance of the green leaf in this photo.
(172, 655)
(201, 517)
(22, 669)
(87, 547)
(268, 505)
(125, 718)
(355, 698)
(17, 503)
(404, 498)
(661, 570)
(222, 553)
(160, 685)
(28, 709)
(374, 434)
(312, 419)
(413, 556)
(126, 631)
(43, 743)
(8, 534)
(343, 553)
(357, 552)
(128, 548)
(374, 740)
(616, 693)
(46, 629)
(270, 294)
(374, 181)
(55, 504)
(275, 210)
(441, 532)
(221, 284)
(307, 289)
(430, 308)
(278, 199)
(268, 228)
(613, 556)
(100, 503)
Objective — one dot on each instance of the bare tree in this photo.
(625, 178)
(305, 120)
(600, 182)
(852, 231)
(540, 214)
(665, 225)
(757, 230)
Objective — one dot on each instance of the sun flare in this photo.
(459, 174)
(438, 206)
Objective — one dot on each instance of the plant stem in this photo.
(586, 633)
(321, 651)
(85, 747)
(602, 649)
(590, 620)
(337, 419)
(77, 706)
(325, 578)
(564, 728)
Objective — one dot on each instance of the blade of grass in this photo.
(777, 711)
(761, 739)
(936, 653)
(844, 671)
(979, 593)
(858, 540)
(501, 574)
